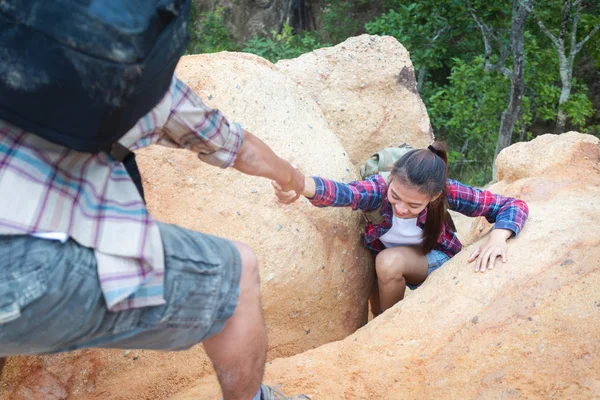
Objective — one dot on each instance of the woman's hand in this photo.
(495, 247)
(291, 190)
(289, 196)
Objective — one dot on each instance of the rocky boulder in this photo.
(529, 328)
(315, 274)
(367, 90)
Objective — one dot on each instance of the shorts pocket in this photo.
(192, 293)
(17, 292)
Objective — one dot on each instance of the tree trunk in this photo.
(566, 77)
(421, 78)
(566, 61)
(2, 361)
(517, 82)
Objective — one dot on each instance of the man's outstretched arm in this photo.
(205, 130)
(254, 157)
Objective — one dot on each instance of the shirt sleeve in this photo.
(360, 195)
(195, 126)
(505, 212)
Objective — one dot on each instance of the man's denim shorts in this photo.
(435, 259)
(51, 301)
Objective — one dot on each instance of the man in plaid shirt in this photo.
(83, 263)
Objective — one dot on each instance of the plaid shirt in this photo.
(49, 188)
(367, 195)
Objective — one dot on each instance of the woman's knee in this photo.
(389, 266)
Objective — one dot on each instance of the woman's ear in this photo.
(436, 198)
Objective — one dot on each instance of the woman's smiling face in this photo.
(406, 200)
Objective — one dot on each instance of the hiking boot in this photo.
(269, 393)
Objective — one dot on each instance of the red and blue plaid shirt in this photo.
(368, 195)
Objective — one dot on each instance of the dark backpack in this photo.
(81, 73)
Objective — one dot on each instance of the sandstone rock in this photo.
(366, 87)
(315, 273)
(529, 328)
(40, 386)
(544, 154)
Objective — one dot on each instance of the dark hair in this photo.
(427, 170)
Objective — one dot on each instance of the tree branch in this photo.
(486, 33)
(573, 50)
(588, 37)
(537, 19)
(438, 33)
(488, 37)
(565, 20)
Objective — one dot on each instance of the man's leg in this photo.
(238, 352)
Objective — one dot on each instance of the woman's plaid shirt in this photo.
(367, 195)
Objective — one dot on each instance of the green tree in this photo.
(466, 113)
(430, 30)
(338, 21)
(208, 33)
(453, 44)
(515, 46)
(284, 45)
(564, 38)
(467, 110)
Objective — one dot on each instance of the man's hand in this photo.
(495, 247)
(289, 196)
(288, 192)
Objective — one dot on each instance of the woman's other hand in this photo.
(486, 255)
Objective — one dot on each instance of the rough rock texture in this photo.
(315, 274)
(366, 87)
(529, 329)
(545, 153)
(40, 385)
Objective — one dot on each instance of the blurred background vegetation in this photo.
(464, 53)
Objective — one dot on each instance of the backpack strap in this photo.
(374, 216)
(127, 157)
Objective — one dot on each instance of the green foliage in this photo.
(465, 101)
(543, 76)
(466, 113)
(208, 33)
(420, 29)
(284, 45)
(338, 21)
(434, 32)
(579, 107)
(587, 23)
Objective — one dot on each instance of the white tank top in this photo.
(404, 232)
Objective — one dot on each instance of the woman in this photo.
(415, 238)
